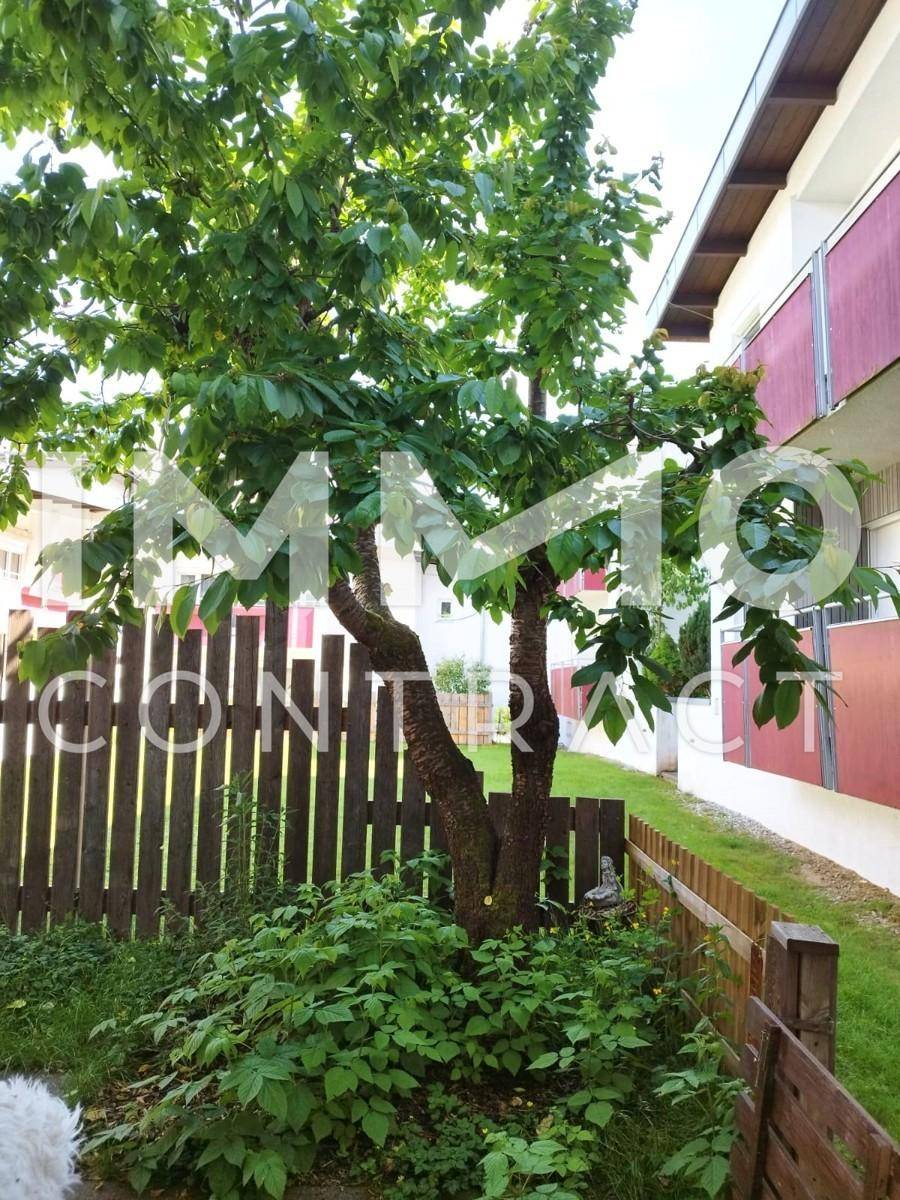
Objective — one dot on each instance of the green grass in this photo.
(868, 1050)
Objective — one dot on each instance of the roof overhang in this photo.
(813, 44)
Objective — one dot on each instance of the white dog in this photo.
(39, 1141)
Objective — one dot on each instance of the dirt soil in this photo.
(878, 907)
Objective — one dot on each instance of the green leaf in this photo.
(787, 702)
(485, 187)
(599, 1113)
(714, 1177)
(375, 1126)
(412, 241)
(338, 1081)
(216, 602)
(294, 196)
(183, 604)
(379, 238)
(544, 1061)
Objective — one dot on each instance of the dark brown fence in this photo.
(141, 820)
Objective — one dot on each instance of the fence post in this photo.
(801, 985)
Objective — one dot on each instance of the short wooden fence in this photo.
(702, 898)
(802, 1135)
(132, 825)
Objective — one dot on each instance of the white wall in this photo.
(851, 145)
(640, 748)
(857, 834)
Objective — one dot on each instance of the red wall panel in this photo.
(867, 713)
(733, 698)
(784, 346)
(793, 752)
(864, 294)
(569, 701)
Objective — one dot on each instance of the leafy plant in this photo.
(664, 652)
(550, 1165)
(704, 1161)
(342, 1007)
(458, 676)
(693, 646)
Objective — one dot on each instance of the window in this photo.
(10, 564)
(446, 608)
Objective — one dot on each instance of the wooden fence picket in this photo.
(69, 796)
(154, 786)
(328, 759)
(210, 832)
(122, 844)
(12, 779)
(95, 812)
(299, 775)
(180, 843)
(356, 762)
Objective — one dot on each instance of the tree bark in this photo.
(446, 773)
(533, 753)
(496, 873)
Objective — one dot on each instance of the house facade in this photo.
(791, 260)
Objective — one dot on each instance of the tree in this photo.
(295, 198)
(693, 645)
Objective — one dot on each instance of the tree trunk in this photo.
(446, 773)
(533, 752)
(496, 877)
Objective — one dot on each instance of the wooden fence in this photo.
(702, 898)
(469, 717)
(117, 831)
(802, 1135)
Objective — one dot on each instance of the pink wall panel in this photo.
(794, 751)
(568, 700)
(733, 698)
(864, 294)
(784, 346)
(867, 715)
(593, 581)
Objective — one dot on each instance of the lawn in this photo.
(868, 1050)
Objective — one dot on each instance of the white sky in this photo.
(672, 89)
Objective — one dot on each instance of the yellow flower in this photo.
(657, 991)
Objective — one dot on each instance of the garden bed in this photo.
(354, 1039)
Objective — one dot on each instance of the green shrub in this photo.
(459, 677)
(325, 1025)
(693, 646)
(664, 652)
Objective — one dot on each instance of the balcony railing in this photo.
(837, 326)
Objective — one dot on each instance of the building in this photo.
(791, 259)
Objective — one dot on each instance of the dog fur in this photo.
(39, 1142)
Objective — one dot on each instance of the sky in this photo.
(672, 90)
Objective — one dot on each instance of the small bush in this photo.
(664, 651)
(693, 646)
(456, 676)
